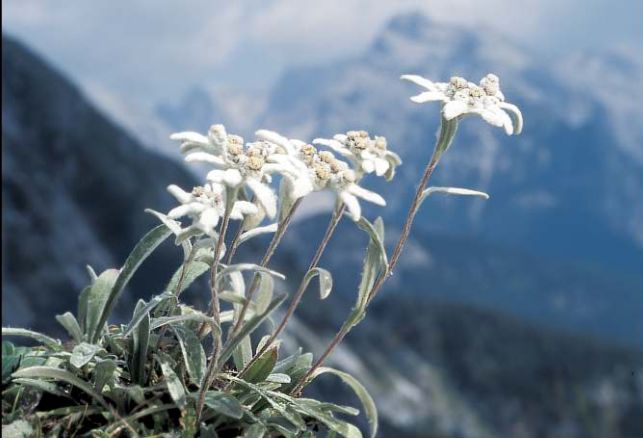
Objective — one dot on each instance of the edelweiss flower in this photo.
(238, 165)
(205, 205)
(460, 97)
(336, 175)
(313, 170)
(369, 154)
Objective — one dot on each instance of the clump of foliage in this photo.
(174, 370)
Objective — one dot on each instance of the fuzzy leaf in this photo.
(224, 404)
(174, 385)
(193, 353)
(361, 392)
(263, 366)
(141, 251)
(140, 345)
(250, 326)
(141, 312)
(45, 372)
(256, 430)
(97, 297)
(52, 343)
(103, 374)
(68, 321)
(325, 281)
(82, 354)
(452, 191)
(194, 270)
(257, 232)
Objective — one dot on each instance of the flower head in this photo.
(237, 164)
(205, 205)
(460, 97)
(368, 154)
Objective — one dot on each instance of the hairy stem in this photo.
(276, 239)
(330, 229)
(215, 309)
(445, 137)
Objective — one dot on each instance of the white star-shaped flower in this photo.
(460, 97)
(369, 154)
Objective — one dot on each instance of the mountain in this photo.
(438, 369)
(74, 187)
(569, 187)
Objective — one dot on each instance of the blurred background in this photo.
(519, 316)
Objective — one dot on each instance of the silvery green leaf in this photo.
(278, 378)
(256, 430)
(68, 321)
(453, 191)
(174, 385)
(164, 320)
(91, 273)
(193, 353)
(375, 264)
(231, 297)
(224, 404)
(242, 355)
(42, 385)
(193, 270)
(174, 226)
(52, 343)
(97, 297)
(142, 311)
(257, 232)
(360, 391)
(83, 304)
(248, 267)
(250, 326)
(341, 427)
(446, 134)
(264, 293)
(18, 429)
(141, 251)
(262, 367)
(325, 281)
(83, 353)
(103, 374)
(46, 372)
(140, 345)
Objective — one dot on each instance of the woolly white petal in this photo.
(381, 166)
(188, 136)
(204, 157)
(419, 80)
(453, 109)
(368, 166)
(208, 220)
(335, 145)
(428, 96)
(352, 204)
(182, 210)
(278, 139)
(181, 195)
(515, 114)
(264, 196)
(242, 208)
(366, 194)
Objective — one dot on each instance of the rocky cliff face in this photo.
(74, 187)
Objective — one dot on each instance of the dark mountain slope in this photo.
(74, 187)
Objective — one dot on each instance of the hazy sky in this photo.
(150, 49)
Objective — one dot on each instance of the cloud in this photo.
(147, 49)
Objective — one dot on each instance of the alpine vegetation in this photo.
(220, 371)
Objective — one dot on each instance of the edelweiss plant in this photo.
(174, 370)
